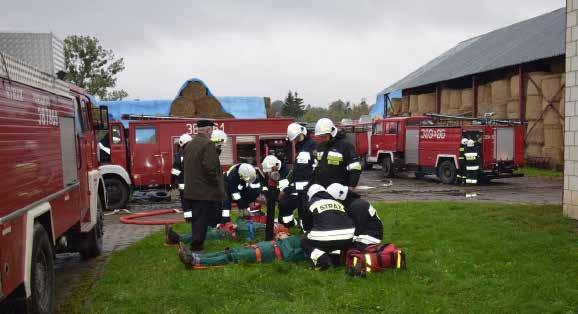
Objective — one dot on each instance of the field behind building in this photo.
(462, 257)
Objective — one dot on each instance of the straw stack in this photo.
(194, 102)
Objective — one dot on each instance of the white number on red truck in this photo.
(426, 134)
(192, 128)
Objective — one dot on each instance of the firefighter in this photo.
(294, 193)
(219, 138)
(177, 172)
(243, 184)
(336, 158)
(368, 226)
(332, 230)
(461, 176)
(473, 161)
(274, 172)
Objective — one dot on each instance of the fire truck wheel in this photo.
(447, 172)
(117, 192)
(387, 167)
(92, 241)
(42, 274)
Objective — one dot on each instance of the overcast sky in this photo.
(325, 50)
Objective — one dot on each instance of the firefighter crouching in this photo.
(332, 230)
(336, 158)
(368, 226)
(294, 193)
(243, 184)
(177, 173)
(274, 172)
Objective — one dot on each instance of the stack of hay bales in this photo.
(396, 107)
(553, 122)
(194, 101)
(426, 103)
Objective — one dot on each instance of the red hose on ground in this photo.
(134, 219)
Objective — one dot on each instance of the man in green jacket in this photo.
(204, 187)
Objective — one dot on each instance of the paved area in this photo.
(71, 268)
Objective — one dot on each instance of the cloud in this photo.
(323, 49)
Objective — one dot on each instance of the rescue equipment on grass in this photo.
(375, 258)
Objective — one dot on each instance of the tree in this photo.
(359, 110)
(277, 107)
(91, 67)
(293, 106)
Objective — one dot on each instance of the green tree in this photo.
(277, 107)
(92, 67)
(293, 106)
(359, 110)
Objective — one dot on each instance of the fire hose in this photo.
(135, 219)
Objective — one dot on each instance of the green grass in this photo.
(536, 172)
(462, 257)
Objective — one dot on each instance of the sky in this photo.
(323, 49)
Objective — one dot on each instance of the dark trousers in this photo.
(289, 203)
(327, 247)
(271, 195)
(202, 214)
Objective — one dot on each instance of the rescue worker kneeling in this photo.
(332, 230)
(243, 184)
(368, 226)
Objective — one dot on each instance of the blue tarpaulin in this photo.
(380, 103)
(239, 107)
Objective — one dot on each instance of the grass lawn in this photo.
(537, 172)
(462, 257)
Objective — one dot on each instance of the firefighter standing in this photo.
(274, 171)
(294, 188)
(461, 176)
(332, 230)
(178, 176)
(336, 158)
(473, 161)
(243, 184)
(368, 226)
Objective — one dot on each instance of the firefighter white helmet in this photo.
(270, 162)
(325, 126)
(247, 173)
(219, 137)
(184, 139)
(464, 141)
(471, 143)
(314, 189)
(337, 191)
(294, 130)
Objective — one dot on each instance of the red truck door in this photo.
(384, 137)
(118, 145)
(146, 159)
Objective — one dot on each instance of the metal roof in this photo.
(537, 38)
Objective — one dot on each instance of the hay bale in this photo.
(268, 107)
(484, 94)
(445, 100)
(194, 90)
(533, 151)
(550, 115)
(404, 104)
(427, 103)
(467, 98)
(554, 154)
(413, 105)
(533, 107)
(535, 133)
(207, 107)
(499, 110)
(483, 107)
(455, 99)
(553, 136)
(531, 90)
(512, 109)
(396, 106)
(515, 86)
(551, 85)
(500, 91)
(183, 107)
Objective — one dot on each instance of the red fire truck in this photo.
(430, 145)
(141, 156)
(52, 191)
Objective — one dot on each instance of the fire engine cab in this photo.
(52, 192)
(141, 156)
(430, 145)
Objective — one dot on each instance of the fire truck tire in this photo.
(91, 242)
(42, 287)
(117, 192)
(387, 167)
(447, 172)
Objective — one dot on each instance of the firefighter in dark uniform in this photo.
(294, 187)
(177, 173)
(473, 161)
(368, 226)
(243, 184)
(332, 230)
(461, 176)
(336, 158)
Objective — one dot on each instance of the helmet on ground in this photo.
(247, 173)
(325, 126)
(314, 189)
(270, 162)
(294, 129)
(218, 137)
(184, 139)
(338, 191)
